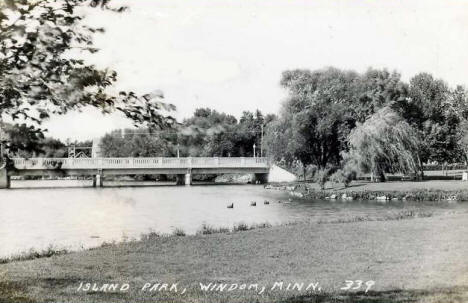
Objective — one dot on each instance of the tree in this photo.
(384, 143)
(39, 77)
(131, 143)
(376, 89)
(436, 112)
(316, 118)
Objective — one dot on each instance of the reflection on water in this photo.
(75, 218)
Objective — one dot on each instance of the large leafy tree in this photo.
(376, 89)
(315, 119)
(39, 77)
(436, 112)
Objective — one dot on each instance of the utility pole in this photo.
(261, 143)
(1, 143)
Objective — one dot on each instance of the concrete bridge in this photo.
(183, 168)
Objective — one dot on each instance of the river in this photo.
(37, 214)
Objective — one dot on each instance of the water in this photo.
(77, 217)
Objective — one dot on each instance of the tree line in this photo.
(350, 122)
(207, 133)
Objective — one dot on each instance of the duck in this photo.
(253, 203)
(266, 202)
(230, 205)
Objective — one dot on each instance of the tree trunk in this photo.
(421, 169)
(381, 176)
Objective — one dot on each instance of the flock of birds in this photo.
(254, 203)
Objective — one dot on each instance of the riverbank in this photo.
(431, 190)
(422, 258)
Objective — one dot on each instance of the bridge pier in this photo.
(184, 179)
(4, 178)
(260, 179)
(97, 180)
(188, 179)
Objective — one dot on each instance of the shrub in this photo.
(241, 227)
(322, 176)
(178, 232)
(149, 236)
(208, 230)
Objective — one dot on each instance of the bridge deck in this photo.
(137, 163)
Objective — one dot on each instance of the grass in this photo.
(207, 229)
(403, 186)
(35, 254)
(410, 260)
(400, 215)
(178, 232)
(441, 295)
(411, 191)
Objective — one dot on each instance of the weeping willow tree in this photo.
(384, 143)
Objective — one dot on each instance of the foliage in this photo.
(207, 133)
(344, 175)
(40, 74)
(132, 143)
(385, 143)
(436, 112)
(323, 107)
(206, 229)
(178, 232)
(322, 176)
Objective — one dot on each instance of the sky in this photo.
(229, 54)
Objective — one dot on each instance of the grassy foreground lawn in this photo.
(413, 260)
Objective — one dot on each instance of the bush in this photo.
(344, 175)
(241, 227)
(208, 230)
(322, 176)
(179, 232)
(149, 236)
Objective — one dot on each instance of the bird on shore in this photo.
(253, 203)
(230, 205)
(266, 202)
(280, 201)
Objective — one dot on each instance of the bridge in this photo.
(183, 168)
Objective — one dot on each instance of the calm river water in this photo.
(77, 217)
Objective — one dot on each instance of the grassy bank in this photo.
(451, 190)
(423, 258)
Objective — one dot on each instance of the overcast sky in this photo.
(229, 55)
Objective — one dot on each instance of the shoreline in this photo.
(383, 192)
(302, 252)
(206, 229)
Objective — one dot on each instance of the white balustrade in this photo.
(122, 163)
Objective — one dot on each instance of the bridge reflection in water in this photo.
(183, 168)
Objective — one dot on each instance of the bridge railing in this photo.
(158, 162)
